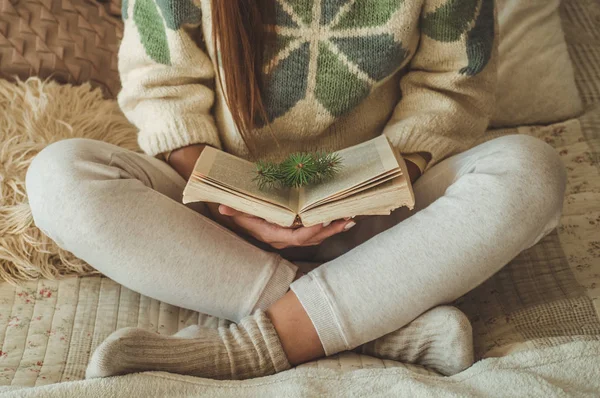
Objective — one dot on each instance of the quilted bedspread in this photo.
(546, 297)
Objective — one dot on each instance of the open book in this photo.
(372, 181)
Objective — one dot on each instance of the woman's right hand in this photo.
(183, 161)
(276, 236)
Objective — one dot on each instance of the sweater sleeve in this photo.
(167, 79)
(448, 92)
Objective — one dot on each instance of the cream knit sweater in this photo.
(423, 72)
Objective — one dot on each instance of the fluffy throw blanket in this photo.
(34, 114)
(569, 370)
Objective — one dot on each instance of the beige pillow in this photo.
(536, 84)
(535, 72)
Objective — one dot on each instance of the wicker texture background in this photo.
(73, 41)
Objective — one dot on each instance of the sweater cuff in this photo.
(416, 159)
(166, 135)
(439, 147)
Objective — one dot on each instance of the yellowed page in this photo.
(199, 181)
(360, 164)
(200, 191)
(410, 193)
(379, 200)
(238, 175)
(362, 187)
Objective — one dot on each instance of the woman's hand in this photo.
(275, 235)
(184, 159)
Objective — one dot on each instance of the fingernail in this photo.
(349, 225)
(326, 224)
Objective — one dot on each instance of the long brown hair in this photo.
(237, 28)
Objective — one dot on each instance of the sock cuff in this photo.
(272, 342)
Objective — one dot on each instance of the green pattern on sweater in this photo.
(274, 43)
(303, 9)
(125, 9)
(480, 40)
(178, 13)
(378, 66)
(330, 79)
(153, 36)
(336, 97)
(455, 18)
(152, 31)
(449, 22)
(280, 92)
(329, 10)
(352, 54)
(368, 13)
(280, 17)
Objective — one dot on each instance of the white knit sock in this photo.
(441, 339)
(241, 351)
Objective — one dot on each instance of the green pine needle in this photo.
(328, 164)
(298, 170)
(268, 175)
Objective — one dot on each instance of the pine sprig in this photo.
(298, 170)
(328, 165)
(268, 175)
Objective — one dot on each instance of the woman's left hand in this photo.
(281, 237)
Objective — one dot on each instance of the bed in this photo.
(536, 323)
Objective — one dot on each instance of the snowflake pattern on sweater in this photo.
(175, 14)
(350, 44)
(333, 75)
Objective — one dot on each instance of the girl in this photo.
(261, 79)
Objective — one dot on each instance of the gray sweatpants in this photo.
(121, 212)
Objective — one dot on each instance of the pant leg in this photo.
(476, 212)
(121, 212)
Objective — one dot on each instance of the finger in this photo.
(228, 211)
(259, 228)
(310, 236)
(326, 224)
(302, 235)
(276, 235)
(334, 228)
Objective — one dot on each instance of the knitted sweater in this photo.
(423, 72)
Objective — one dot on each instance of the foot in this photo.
(246, 350)
(441, 339)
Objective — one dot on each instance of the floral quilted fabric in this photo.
(544, 297)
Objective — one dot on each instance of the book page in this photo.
(238, 175)
(359, 188)
(378, 200)
(202, 191)
(360, 164)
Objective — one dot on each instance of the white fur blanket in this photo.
(34, 114)
(569, 370)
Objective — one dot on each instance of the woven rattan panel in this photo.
(71, 41)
